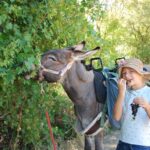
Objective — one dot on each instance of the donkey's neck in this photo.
(78, 82)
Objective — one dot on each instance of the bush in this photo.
(27, 29)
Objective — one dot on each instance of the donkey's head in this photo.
(55, 63)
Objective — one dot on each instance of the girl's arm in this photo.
(121, 95)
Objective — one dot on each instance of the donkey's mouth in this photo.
(46, 76)
(41, 75)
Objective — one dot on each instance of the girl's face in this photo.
(134, 79)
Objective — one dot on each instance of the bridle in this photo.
(61, 73)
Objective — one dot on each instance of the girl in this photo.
(132, 106)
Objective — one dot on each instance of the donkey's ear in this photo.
(80, 55)
(78, 47)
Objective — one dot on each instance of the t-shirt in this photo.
(135, 131)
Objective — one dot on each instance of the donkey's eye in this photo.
(52, 58)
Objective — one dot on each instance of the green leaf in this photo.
(29, 63)
(9, 26)
(3, 18)
(10, 77)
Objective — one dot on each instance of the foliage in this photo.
(139, 28)
(27, 29)
(125, 29)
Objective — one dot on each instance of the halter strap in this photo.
(61, 72)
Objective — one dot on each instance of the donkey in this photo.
(65, 66)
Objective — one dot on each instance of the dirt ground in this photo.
(110, 142)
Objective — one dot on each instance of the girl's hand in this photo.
(122, 85)
(142, 103)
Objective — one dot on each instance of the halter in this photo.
(61, 73)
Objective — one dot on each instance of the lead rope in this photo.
(51, 132)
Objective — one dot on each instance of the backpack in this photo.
(112, 93)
